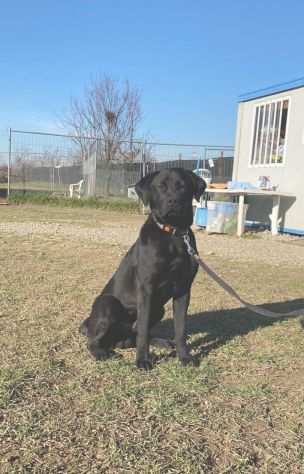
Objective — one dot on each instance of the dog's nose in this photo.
(172, 201)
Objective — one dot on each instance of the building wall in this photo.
(289, 176)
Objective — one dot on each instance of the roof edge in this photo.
(274, 89)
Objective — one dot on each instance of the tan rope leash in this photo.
(231, 291)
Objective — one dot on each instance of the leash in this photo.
(230, 290)
(256, 309)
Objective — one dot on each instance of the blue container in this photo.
(201, 216)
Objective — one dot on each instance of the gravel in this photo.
(264, 248)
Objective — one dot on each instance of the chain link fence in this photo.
(45, 162)
(217, 159)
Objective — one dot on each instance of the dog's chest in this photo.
(178, 261)
(178, 257)
(180, 267)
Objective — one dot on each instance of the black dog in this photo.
(156, 268)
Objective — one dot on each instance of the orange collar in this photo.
(169, 229)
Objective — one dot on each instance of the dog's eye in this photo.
(163, 186)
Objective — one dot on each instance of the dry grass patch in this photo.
(241, 411)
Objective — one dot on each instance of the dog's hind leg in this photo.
(107, 325)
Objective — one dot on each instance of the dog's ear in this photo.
(198, 183)
(143, 187)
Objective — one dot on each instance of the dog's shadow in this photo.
(218, 327)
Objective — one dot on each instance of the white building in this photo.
(270, 142)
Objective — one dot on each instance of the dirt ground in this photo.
(241, 411)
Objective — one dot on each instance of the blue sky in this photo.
(190, 59)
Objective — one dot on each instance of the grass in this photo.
(107, 204)
(250, 235)
(240, 411)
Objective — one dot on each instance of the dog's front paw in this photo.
(143, 364)
(189, 360)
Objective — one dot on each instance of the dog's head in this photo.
(169, 194)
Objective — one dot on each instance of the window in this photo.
(269, 133)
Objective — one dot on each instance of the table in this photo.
(241, 193)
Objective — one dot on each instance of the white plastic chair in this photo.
(76, 188)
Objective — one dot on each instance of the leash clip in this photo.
(189, 247)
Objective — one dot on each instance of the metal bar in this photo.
(95, 167)
(262, 134)
(214, 147)
(259, 131)
(40, 153)
(138, 141)
(28, 132)
(267, 135)
(255, 131)
(258, 143)
(279, 129)
(273, 130)
(9, 163)
(143, 158)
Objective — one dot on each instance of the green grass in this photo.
(107, 204)
(250, 235)
(12, 383)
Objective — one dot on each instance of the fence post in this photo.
(221, 167)
(145, 209)
(9, 163)
(143, 159)
(205, 157)
(95, 167)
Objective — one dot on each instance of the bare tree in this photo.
(109, 111)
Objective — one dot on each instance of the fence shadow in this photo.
(219, 327)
